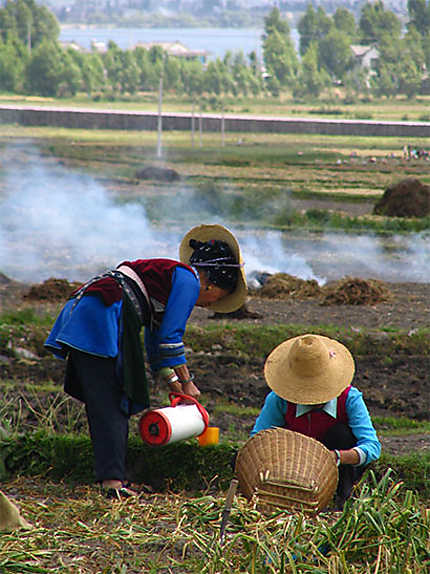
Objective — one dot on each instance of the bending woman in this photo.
(98, 334)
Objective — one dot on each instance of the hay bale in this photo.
(355, 291)
(158, 173)
(283, 285)
(408, 198)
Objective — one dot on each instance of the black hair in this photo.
(216, 258)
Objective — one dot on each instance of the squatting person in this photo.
(310, 379)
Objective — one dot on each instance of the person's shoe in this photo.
(119, 493)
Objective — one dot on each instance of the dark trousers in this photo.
(340, 437)
(107, 423)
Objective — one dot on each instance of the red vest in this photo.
(316, 423)
(156, 275)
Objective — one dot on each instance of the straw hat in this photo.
(309, 369)
(10, 518)
(204, 233)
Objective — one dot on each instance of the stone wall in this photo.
(113, 120)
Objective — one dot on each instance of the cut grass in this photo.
(384, 529)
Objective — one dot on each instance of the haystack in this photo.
(51, 290)
(158, 173)
(408, 198)
(355, 291)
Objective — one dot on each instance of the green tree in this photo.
(218, 79)
(70, 75)
(409, 77)
(275, 23)
(335, 54)
(312, 26)
(213, 79)
(171, 74)
(344, 21)
(192, 77)
(112, 64)
(419, 16)
(377, 23)
(280, 58)
(273, 85)
(241, 74)
(11, 67)
(149, 76)
(7, 25)
(400, 66)
(425, 43)
(92, 71)
(385, 83)
(311, 80)
(411, 64)
(43, 73)
(31, 22)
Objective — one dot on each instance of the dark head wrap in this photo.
(218, 262)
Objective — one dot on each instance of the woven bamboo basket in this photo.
(282, 469)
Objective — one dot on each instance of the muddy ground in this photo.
(397, 387)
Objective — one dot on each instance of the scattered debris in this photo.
(408, 198)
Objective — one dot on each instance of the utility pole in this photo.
(193, 123)
(29, 36)
(160, 119)
(160, 103)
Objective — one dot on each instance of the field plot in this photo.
(73, 204)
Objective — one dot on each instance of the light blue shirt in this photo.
(368, 446)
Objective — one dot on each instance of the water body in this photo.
(216, 41)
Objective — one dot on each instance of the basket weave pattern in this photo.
(281, 469)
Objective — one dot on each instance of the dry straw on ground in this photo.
(346, 291)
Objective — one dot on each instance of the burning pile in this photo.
(282, 285)
(51, 290)
(354, 291)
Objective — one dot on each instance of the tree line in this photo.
(32, 61)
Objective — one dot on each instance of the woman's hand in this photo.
(176, 387)
(349, 456)
(190, 389)
(187, 388)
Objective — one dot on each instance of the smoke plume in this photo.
(55, 222)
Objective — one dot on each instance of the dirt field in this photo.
(397, 387)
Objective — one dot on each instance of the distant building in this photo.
(365, 56)
(365, 59)
(176, 49)
(73, 45)
(99, 47)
